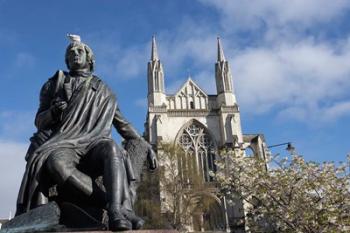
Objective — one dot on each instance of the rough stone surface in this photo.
(136, 231)
(44, 218)
(137, 151)
(51, 217)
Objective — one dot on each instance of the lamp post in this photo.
(290, 148)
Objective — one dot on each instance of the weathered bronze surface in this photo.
(72, 157)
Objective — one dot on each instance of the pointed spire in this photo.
(154, 54)
(221, 56)
(189, 74)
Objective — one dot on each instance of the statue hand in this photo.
(152, 159)
(61, 105)
(58, 106)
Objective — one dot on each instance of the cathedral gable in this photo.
(190, 96)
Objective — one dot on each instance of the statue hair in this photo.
(90, 57)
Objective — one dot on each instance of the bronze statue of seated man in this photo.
(73, 144)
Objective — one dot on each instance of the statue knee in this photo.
(110, 150)
(54, 163)
(60, 164)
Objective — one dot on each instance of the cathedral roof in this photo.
(187, 86)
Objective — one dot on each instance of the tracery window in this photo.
(199, 151)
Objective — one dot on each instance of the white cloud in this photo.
(186, 47)
(15, 129)
(206, 80)
(132, 62)
(338, 110)
(315, 115)
(113, 61)
(284, 70)
(174, 86)
(281, 70)
(308, 76)
(16, 125)
(12, 168)
(252, 14)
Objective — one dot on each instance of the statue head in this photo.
(79, 56)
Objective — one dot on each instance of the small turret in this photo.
(156, 91)
(223, 79)
(154, 53)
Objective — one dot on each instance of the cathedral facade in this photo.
(201, 124)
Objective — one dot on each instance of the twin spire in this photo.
(155, 56)
(154, 53)
(221, 56)
(223, 78)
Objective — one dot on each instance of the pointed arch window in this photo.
(199, 149)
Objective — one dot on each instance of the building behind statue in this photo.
(202, 125)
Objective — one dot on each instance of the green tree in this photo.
(292, 196)
(148, 201)
(186, 194)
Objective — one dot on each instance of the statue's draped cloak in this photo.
(86, 120)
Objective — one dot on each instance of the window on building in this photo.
(199, 151)
(192, 105)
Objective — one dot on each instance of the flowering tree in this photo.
(292, 196)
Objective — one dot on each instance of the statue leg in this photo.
(62, 166)
(109, 158)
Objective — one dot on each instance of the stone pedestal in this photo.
(136, 231)
(66, 218)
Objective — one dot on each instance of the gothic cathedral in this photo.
(201, 124)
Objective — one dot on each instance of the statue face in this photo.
(77, 57)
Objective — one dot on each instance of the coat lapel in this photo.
(67, 87)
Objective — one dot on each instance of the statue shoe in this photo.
(136, 221)
(117, 221)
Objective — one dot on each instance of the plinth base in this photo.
(136, 231)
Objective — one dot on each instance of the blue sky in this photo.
(290, 64)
